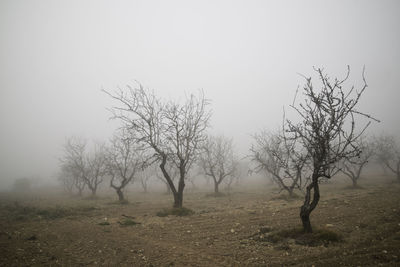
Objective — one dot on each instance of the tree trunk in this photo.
(354, 182)
(94, 191)
(308, 207)
(216, 190)
(168, 189)
(178, 200)
(178, 196)
(120, 195)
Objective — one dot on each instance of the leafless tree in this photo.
(87, 167)
(327, 131)
(218, 160)
(352, 167)
(281, 158)
(174, 131)
(145, 177)
(70, 178)
(97, 168)
(125, 159)
(73, 162)
(388, 153)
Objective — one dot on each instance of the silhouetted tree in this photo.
(281, 158)
(352, 167)
(88, 167)
(173, 131)
(125, 159)
(145, 177)
(218, 160)
(388, 153)
(70, 179)
(327, 131)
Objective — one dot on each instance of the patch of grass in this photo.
(175, 211)
(104, 223)
(128, 222)
(22, 213)
(316, 238)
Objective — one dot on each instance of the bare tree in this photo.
(144, 177)
(70, 178)
(388, 153)
(87, 167)
(125, 159)
(218, 160)
(73, 162)
(66, 180)
(97, 168)
(172, 130)
(352, 167)
(327, 131)
(281, 158)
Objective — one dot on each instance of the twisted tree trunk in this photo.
(309, 205)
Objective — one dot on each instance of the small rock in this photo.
(329, 225)
(232, 230)
(384, 251)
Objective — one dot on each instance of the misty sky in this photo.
(56, 56)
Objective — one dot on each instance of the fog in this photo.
(56, 56)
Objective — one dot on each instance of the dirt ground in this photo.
(56, 230)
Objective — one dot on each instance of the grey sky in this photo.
(55, 56)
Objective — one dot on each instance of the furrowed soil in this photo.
(230, 230)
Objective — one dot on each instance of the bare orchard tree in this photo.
(352, 167)
(218, 160)
(327, 131)
(71, 179)
(281, 158)
(74, 164)
(87, 167)
(145, 177)
(66, 180)
(125, 159)
(388, 153)
(97, 168)
(174, 131)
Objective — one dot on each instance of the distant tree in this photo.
(66, 178)
(327, 131)
(22, 185)
(145, 177)
(70, 178)
(218, 160)
(87, 167)
(73, 163)
(352, 167)
(125, 159)
(97, 168)
(388, 153)
(281, 158)
(173, 131)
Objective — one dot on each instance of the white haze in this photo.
(56, 56)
